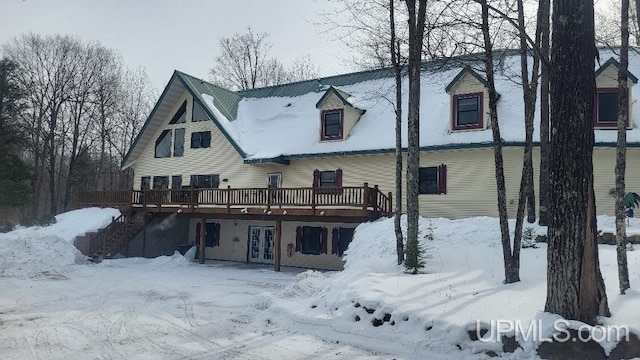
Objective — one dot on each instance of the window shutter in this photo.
(316, 178)
(335, 240)
(323, 240)
(442, 179)
(216, 234)
(339, 177)
(299, 239)
(197, 240)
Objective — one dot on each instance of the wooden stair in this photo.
(117, 234)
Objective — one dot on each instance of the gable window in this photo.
(201, 139)
(178, 143)
(198, 113)
(467, 111)
(606, 107)
(331, 124)
(181, 115)
(160, 182)
(145, 183)
(211, 181)
(311, 240)
(433, 180)
(163, 145)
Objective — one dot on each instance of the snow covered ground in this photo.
(55, 305)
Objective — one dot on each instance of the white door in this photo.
(261, 244)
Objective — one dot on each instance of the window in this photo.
(201, 139)
(311, 240)
(176, 182)
(163, 145)
(341, 237)
(181, 115)
(606, 107)
(433, 180)
(331, 125)
(160, 182)
(178, 143)
(467, 111)
(327, 178)
(198, 113)
(205, 181)
(145, 183)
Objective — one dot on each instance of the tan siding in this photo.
(468, 84)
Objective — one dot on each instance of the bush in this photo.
(6, 227)
(28, 222)
(529, 238)
(47, 219)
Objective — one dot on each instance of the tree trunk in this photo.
(395, 60)
(511, 268)
(416, 31)
(575, 288)
(53, 208)
(543, 180)
(621, 151)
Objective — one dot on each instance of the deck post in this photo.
(201, 246)
(390, 209)
(375, 200)
(144, 231)
(228, 199)
(313, 200)
(277, 246)
(365, 197)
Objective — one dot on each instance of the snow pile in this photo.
(306, 284)
(387, 310)
(48, 251)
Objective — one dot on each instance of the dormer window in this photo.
(606, 108)
(331, 124)
(467, 111)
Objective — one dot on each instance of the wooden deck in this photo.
(348, 203)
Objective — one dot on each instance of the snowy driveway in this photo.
(153, 309)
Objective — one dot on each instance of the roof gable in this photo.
(466, 70)
(341, 95)
(224, 100)
(614, 62)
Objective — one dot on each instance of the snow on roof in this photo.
(269, 127)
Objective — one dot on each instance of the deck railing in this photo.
(363, 197)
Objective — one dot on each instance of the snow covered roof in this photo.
(282, 122)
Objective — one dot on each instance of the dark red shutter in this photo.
(216, 234)
(299, 239)
(335, 240)
(323, 240)
(442, 179)
(197, 240)
(316, 178)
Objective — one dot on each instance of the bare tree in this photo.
(621, 150)
(413, 260)
(244, 64)
(575, 288)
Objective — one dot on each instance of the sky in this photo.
(163, 35)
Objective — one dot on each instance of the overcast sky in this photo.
(163, 35)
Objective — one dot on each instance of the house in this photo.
(283, 174)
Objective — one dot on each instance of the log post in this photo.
(278, 246)
(201, 246)
(390, 208)
(365, 197)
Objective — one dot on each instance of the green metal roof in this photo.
(226, 101)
